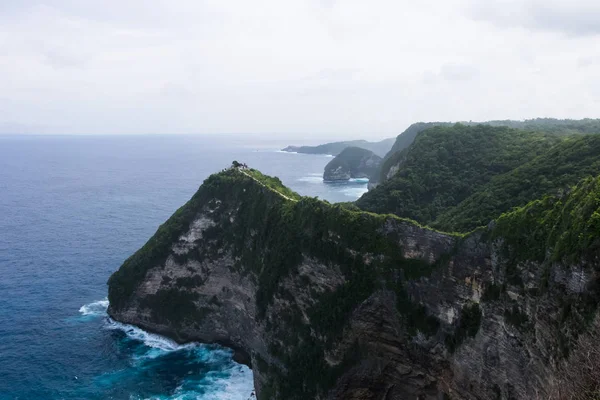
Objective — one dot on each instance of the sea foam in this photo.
(96, 308)
(226, 380)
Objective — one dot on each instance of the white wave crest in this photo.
(149, 339)
(96, 308)
(227, 381)
(236, 386)
(359, 180)
(287, 152)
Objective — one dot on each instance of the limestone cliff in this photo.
(327, 302)
(352, 162)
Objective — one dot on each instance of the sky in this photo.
(340, 68)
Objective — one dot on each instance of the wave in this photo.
(149, 339)
(358, 180)
(287, 152)
(152, 340)
(225, 379)
(97, 308)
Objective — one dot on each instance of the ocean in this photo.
(72, 208)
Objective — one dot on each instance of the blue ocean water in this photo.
(71, 210)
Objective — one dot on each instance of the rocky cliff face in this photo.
(329, 303)
(352, 162)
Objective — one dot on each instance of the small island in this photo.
(352, 163)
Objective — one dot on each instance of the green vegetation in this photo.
(352, 162)
(564, 229)
(560, 228)
(561, 166)
(547, 125)
(269, 230)
(445, 165)
(403, 141)
(268, 237)
(273, 183)
(123, 282)
(154, 253)
(553, 125)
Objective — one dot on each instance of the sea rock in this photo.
(352, 162)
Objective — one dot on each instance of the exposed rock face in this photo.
(353, 162)
(329, 303)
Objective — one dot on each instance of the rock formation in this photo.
(353, 162)
(326, 302)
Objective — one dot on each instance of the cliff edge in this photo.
(327, 302)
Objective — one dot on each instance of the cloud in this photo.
(348, 68)
(454, 73)
(458, 72)
(588, 60)
(570, 17)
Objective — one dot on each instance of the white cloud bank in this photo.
(342, 68)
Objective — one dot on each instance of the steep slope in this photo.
(547, 125)
(380, 148)
(403, 141)
(445, 165)
(352, 162)
(339, 304)
(560, 167)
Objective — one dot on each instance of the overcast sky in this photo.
(350, 68)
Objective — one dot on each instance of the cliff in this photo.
(352, 162)
(331, 303)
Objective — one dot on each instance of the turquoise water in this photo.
(71, 210)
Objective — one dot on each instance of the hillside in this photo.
(552, 172)
(547, 125)
(352, 162)
(445, 165)
(380, 148)
(329, 303)
(403, 141)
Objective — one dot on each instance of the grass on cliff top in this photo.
(273, 183)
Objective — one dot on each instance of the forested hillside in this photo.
(446, 165)
(550, 173)
(561, 127)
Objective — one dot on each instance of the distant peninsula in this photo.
(380, 148)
